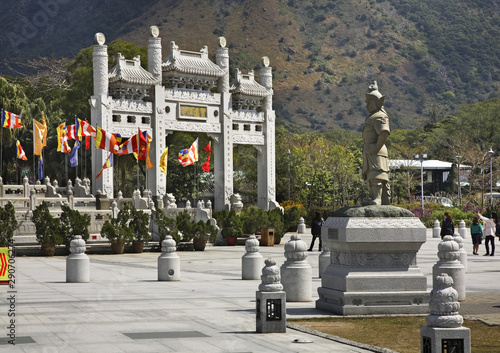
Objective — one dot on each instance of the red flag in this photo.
(106, 141)
(20, 151)
(206, 165)
(142, 146)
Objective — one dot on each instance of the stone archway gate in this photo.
(185, 92)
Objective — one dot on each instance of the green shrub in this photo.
(74, 223)
(8, 224)
(48, 229)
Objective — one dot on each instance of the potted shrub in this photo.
(139, 224)
(185, 226)
(276, 221)
(48, 229)
(205, 232)
(232, 228)
(253, 219)
(73, 223)
(8, 224)
(117, 231)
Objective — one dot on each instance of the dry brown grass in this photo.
(400, 334)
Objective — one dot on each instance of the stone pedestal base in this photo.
(435, 339)
(296, 278)
(373, 267)
(251, 266)
(271, 312)
(77, 268)
(169, 267)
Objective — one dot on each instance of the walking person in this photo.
(447, 227)
(476, 231)
(489, 232)
(316, 224)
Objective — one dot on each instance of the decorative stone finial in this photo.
(77, 245)
(222, 42)
(155, 31)
(295, 248)
(271, 279)
(448, 249)
(168, 245)
(444, 304)
(100, 38)
(265, 61)
(252, 244)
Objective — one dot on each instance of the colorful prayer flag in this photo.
(189, 156)
(40, 168)
(20, 151)
(73, 157)
(163, 161)
(106, 141)
(142, 145)
(106, 165)
(206, 165)
(11, 120)
(39, 136)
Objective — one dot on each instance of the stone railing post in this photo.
(436, 230)
(271, 301)
(251, 262)
(324, 257)
(301, 227)
(77, 263)
(296, 273)
(462, 230)
(462, 253)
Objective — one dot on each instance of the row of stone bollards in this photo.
(436, 229)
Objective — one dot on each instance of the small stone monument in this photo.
(463, 254)
(324, 257)
(169, 263)
(271, 301)
(444, 331)
(301, 227)
(251, 262)
(436, 231)
(462, 230)
(77, 263)
(448, 254)
(296, 272)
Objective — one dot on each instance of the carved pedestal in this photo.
(373, 266)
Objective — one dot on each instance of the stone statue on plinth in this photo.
(375, 133)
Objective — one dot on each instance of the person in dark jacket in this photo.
(447, 228)
(316, 224)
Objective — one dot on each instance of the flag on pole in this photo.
(149, 139)
(40, 136)
(106, 165)
(11, 120)
(73, 157)
(62, 139)
(163, 161)
(206, 165)
(142, 145)
(189, 156)
(40, 168)
(20, 151)
(106, 141)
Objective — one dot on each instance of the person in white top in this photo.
(489, 232)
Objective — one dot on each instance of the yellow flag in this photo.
(163, 161)
(60, 132)
(39, 134)
(149, 165)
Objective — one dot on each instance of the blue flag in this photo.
(40, 168)
(73, 157)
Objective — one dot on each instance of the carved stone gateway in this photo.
(185, 92)
(373, 264)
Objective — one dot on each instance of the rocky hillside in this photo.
(428, 56)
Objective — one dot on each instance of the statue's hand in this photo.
(371, 148)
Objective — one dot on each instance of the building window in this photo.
(117, 118)
(146, 120)
(246, 127)
(131, 119)
(236, 127)
(258, 128)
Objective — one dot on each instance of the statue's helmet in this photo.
(375, 95)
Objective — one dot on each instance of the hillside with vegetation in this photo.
(429, 56)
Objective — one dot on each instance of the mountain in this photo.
(428, 56)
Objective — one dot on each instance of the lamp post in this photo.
(491, 153)
(421, 157)
(459, 182)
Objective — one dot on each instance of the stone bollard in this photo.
(77, 263)
(271, 301)
(296, 273)
(436, 230)
(169, 263)
(324, 257)
(301, 227)
(449, 253)
(462, 230)
(444, 324)
(251, 262)
(463, 254)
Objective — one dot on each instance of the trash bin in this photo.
(267, 237)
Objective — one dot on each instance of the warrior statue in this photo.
(375, 134)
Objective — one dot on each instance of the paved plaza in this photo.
(125, 309)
